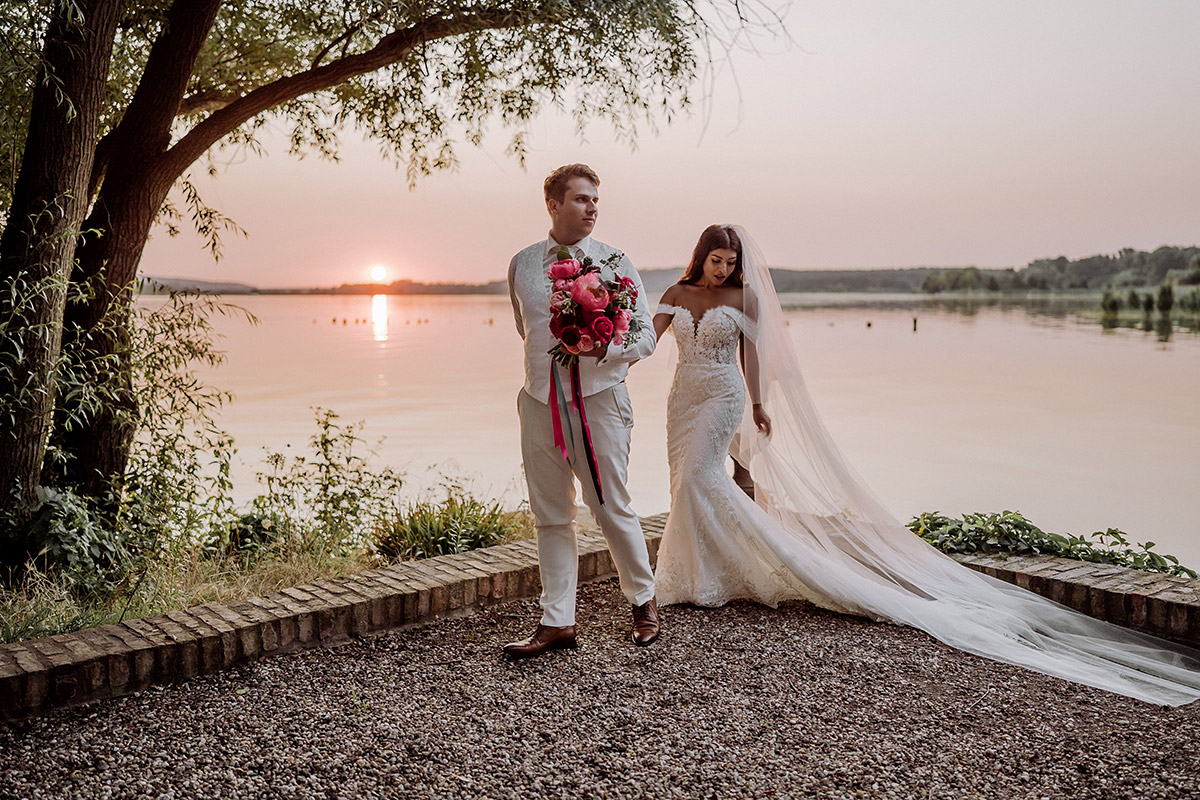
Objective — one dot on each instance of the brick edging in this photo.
(1163, 605)
(39, 675)
(68, 669)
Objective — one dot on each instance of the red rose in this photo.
(556, 326)
(602, 329)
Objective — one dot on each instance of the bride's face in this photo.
(719, 265)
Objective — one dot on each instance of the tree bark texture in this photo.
(39, 242)
(135, 184)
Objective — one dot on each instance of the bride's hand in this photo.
(761, 420)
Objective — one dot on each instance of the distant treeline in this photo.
(815, 280)
(1127, 268)
(415, 287)
(657, 280)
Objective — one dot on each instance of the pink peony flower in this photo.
(622, 321)
(589, 292)
(602, 329)
(562, 285)
(564, 270)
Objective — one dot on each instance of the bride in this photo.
(813, 531)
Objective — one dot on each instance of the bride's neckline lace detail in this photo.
(713, 339)
(696, 323)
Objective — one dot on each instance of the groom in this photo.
(572, 193)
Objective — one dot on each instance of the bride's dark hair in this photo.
(715, 237)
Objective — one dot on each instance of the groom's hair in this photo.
(556, 182)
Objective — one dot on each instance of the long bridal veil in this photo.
(833, 533)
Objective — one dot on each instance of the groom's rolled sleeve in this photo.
(644, 346)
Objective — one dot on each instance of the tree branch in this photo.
(350, 31)
(146, 124)
(206, 100)
(390, 49)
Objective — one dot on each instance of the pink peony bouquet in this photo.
(588, 312)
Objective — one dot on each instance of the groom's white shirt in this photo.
(530, 287)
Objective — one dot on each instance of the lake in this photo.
(1018, 406)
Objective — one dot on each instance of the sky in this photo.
(884, 134)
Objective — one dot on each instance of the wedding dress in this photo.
(815, 532)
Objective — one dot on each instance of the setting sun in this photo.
(379, 273)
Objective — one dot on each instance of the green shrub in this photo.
(327, 503)
(246, 539)
(71, 541)
(1009, 532)
(455, 525)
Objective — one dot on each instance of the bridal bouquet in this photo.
(587, 311)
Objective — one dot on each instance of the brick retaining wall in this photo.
(112, 660)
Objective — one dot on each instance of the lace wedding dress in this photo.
(814, 532)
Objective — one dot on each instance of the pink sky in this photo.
(891, 134)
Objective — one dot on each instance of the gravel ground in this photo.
(742, 701)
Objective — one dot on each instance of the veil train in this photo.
(838, 538)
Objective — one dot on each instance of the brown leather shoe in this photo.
(543, 639)
(645, 623)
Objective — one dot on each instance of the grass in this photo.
(47, 603)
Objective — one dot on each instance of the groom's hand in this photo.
(595, 352)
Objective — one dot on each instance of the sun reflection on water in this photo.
(379, 316)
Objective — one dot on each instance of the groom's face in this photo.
(574, 217)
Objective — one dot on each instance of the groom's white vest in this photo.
(529, 287)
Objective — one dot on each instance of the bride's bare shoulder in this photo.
(733, 297)
(671, 295)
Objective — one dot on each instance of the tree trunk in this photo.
(136, 182)
(99, 451)
(49, 202)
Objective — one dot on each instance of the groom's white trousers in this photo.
(552, 497)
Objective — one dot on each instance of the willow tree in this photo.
(193, 76)
(46, 202)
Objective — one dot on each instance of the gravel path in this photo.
(743, 701)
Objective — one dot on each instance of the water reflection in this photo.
(1044, 311)
(1164, 328)
(995, 410)
(379, 316)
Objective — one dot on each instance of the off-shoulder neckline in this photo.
(696, 322)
